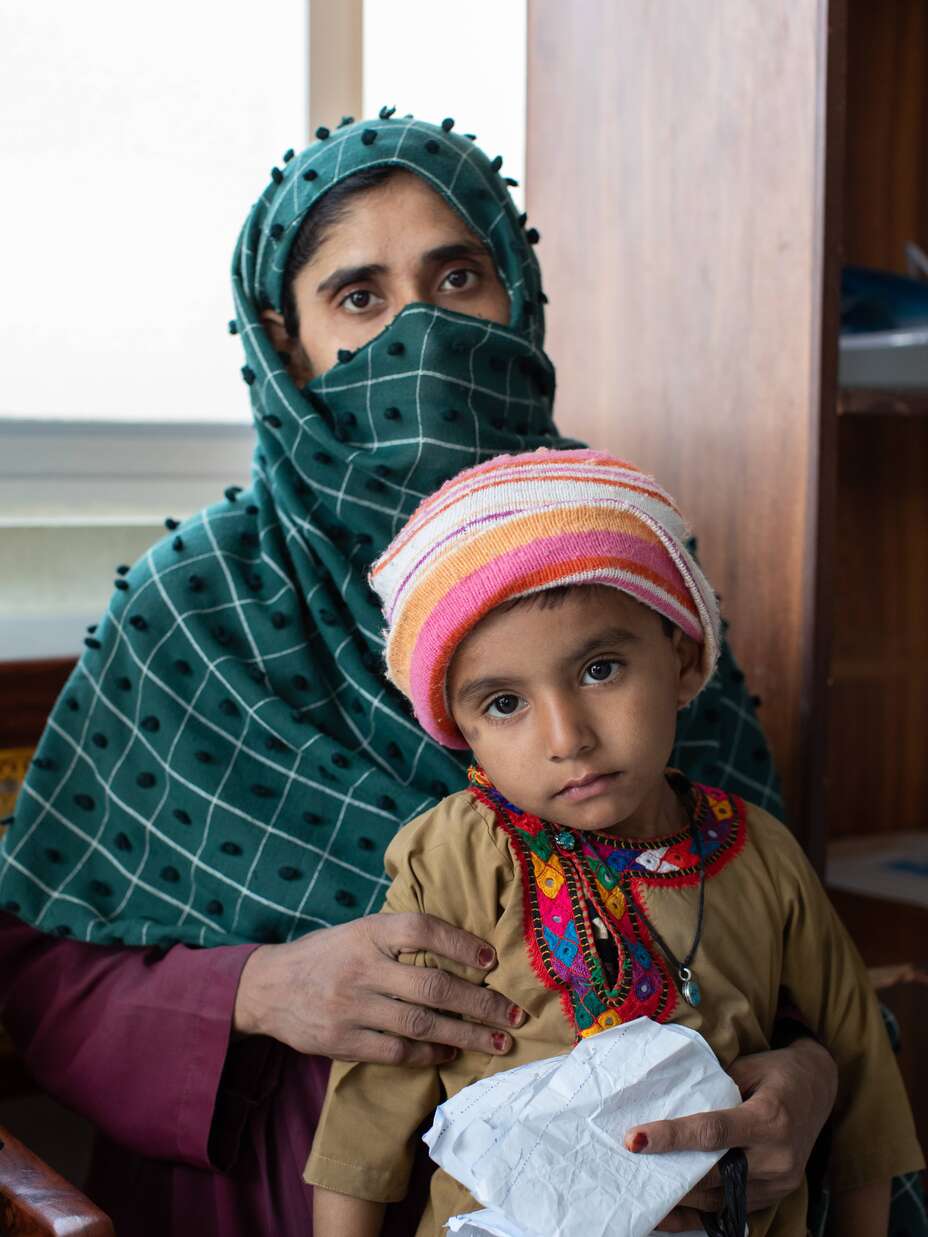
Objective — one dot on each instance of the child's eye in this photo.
(359, 301)
(504, 706)
(602, 671)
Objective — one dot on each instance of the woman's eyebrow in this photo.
(458, 249)
(345, 275)
(349, 274)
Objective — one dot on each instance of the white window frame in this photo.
(92, 470)
(132, 471)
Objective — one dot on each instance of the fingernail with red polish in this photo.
(447, 1056)
(638, 1143)
(501, 1041)
(486, 956)
(515, 1016)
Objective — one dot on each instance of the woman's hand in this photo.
(788, 1095)
(340, 992)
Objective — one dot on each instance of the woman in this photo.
(227, 764)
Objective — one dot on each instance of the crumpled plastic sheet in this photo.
(542, 1146)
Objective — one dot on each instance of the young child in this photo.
(543, 611)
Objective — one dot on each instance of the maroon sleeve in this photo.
(136, 1040)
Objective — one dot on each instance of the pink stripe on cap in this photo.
(544, 519)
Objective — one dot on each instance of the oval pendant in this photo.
(689, 987)
(692, 993)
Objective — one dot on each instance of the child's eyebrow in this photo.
(613, 636)
(475, 689)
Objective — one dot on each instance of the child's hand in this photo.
(788, 1095)
(340, 992)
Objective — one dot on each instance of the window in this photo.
(133, 139)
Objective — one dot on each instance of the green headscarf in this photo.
(227, 762)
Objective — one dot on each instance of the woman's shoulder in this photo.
(459, 824)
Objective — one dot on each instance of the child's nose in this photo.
(568, 733)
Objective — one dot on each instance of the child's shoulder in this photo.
(459, 823)
(772, 842)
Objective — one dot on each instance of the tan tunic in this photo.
(768, 924)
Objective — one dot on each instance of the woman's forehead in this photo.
(402, 219)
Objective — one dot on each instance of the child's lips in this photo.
(588, 787)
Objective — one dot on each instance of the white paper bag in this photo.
(542, 1146)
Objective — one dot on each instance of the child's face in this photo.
(571, 710)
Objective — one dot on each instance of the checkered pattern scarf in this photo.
(227, 762)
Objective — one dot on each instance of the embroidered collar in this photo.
(585, 930)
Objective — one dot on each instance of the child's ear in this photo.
(298, 367)
(689, 667)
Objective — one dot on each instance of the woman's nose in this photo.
(411, 290)
(567, 731)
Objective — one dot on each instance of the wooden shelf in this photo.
(877, 670)
(857, 402)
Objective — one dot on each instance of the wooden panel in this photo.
(676, 169)
(886, 933)
(858, 402)
(28, 689)
(336, 69)
(886, 178)
(877, 771)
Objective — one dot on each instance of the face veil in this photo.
(227, 762)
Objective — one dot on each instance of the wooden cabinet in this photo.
(699, 173)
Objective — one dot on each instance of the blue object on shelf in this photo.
(874, 300)
(884, 328)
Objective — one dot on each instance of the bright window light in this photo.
(133, 139)
(437, 59)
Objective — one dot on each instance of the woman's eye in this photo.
(504, 706)
(459, 280)
(602, 671)
(358, 301)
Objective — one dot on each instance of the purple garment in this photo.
(196, 1135)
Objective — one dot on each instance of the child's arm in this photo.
(860, 1213)
(873, 1133)
(339, 1215)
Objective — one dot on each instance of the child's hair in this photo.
(550, 598)
(520, 525)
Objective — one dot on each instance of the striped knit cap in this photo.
(520, 524)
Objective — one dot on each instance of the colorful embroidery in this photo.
(578, 885)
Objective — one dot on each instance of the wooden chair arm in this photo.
(35, 1201)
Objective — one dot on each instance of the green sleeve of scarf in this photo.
(720, 740)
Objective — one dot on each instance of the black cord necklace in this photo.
(687, 982)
